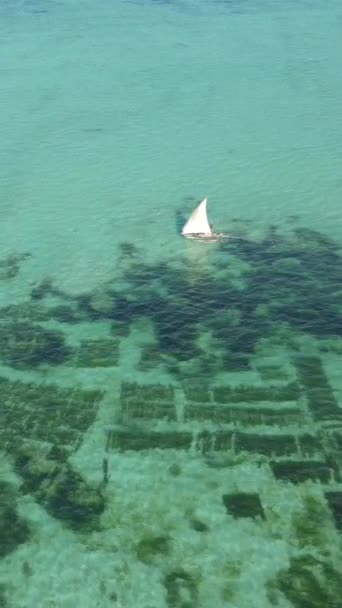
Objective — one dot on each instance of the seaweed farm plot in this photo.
(97, 353)
(45, 413)
(148, 402)
(41, 426)
(280, 425)
(273, 429)
(322, 403)
(238, 418)
(267, 422)
(208, 325)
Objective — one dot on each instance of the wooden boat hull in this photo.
(206, 238)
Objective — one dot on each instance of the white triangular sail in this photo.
(198, 221)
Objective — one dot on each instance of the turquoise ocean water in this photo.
(170, 413)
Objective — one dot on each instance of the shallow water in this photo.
(170, 410)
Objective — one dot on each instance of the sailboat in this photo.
(198, 227)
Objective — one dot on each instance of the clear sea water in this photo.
(170, 415)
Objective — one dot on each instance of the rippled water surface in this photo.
(171, 410)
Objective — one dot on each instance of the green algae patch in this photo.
(244, 504)
(45, 412)
(58, 488)
(197, 392)
(269, 445)
(14, 530)
(309, 582)
(97, 353)
(198, 525)
(322, 402)
(27, 346)
(310, 524)
(10, 266)
(147, 401)
(62, 313)
(151, 547)
(226, 394)
(181, 590)
(299, 471)
(150, 358)
(137, 439)
(334, 500)
(3, 597)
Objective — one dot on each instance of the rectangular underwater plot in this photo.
(211, 441)
(267, 445)
(124, 440)
(336, 437)
(256, 394)
(80, 408)
(243, 504)
(255, 416)
(148, 401)
(310, 445)
(62, 436)
(198, 393)
(334, 500)
(150, 358)
(321, 400)
(299, 471)
(244, 416)
(208, 412)
(137, 440)
(154, 392)
(45, 413)
(323, 405)
(97, 353)
(149, 410)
